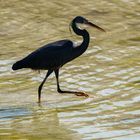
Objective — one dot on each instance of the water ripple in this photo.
(108, 71)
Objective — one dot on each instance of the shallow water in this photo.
(109, 72)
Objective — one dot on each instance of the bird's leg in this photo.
(71, 92)
(41, 85)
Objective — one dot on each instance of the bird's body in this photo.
(51, 56)
(54, 55)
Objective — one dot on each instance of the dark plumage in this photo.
(50, 56)
(54, 55)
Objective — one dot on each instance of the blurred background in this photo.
(109, 71)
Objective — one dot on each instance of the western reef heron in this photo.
(54, 55)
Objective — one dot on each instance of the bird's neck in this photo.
(81, 32)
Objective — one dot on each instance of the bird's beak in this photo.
(95, 26)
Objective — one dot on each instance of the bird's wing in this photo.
(51, 55)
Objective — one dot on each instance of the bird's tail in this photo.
(18, 65)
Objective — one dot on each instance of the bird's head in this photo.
(82, 20)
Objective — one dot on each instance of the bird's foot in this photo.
(73, 92)
(81, 94)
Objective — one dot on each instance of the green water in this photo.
(109, 72)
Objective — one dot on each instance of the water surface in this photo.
(109, 72)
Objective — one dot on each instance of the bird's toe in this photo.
(81, 94)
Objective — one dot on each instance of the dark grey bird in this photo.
(54, 55)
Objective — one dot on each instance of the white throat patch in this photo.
(76, 44)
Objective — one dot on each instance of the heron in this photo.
(54, 55)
